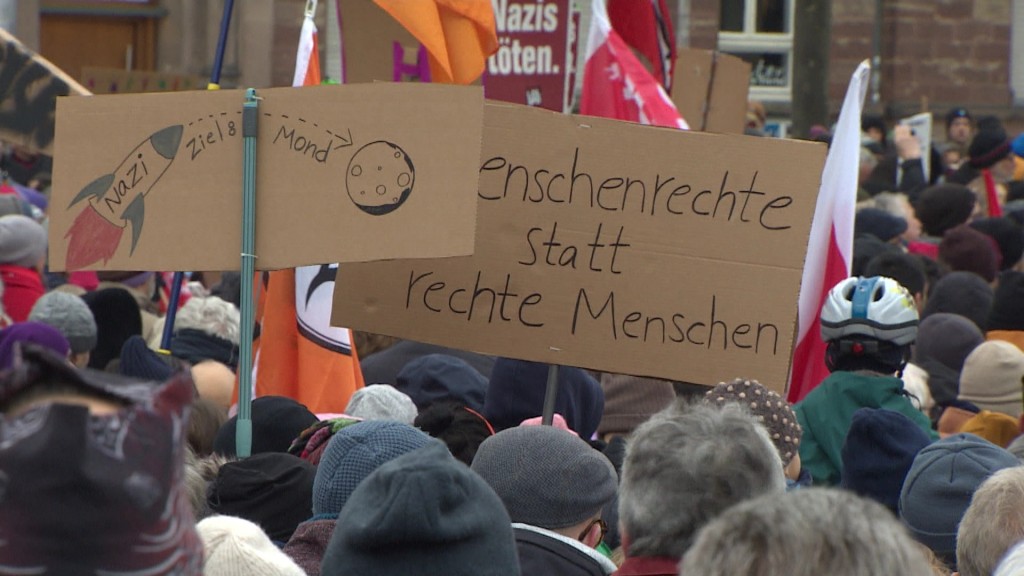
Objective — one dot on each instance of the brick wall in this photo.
(704, 17)
(942, 52)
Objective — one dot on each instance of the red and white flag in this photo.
(617, 85)
(830, 248)
(307, 58)
(646, 25)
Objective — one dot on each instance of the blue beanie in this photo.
(879, 449)
(940, 485)
(353, 453)
(516, 393)
(435, 377)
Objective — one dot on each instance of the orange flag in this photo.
(459, 35)
(297, 352)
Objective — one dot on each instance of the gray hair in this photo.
(685, 466)
(806, 533)
(993, 523)
(894, 203)
(211, 315)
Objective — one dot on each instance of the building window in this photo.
(761, 32)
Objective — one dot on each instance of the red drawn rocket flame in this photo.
(91, 239)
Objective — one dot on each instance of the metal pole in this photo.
(550, 396)
(243, 430)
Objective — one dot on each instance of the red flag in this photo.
(617, 85)
(298, 354)
(830, 248)
(647, 27)
(459, 35)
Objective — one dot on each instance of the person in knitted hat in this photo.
(422, 514)
(381, 402)
(276, 422)
(963, 293)
(991, 378)
(1006, 318)
(274, 490)
(815, 532)
(939, 486)
(1008, 236)
(965, 249)
(436, 377)
(383, 367)
(138, 361)
(93, 469)
(944, 206)
(141, 286)
(461, 428)
(117, 318)
(943, 342)
(352, 454)
(238, 547)
(554, 486)
(959, 127)
(516, 393)
(22, 257)
(880, 224)
(23, 333)
(775, 414)
(877, 454)
(997, 428)
(989, 167)
(70, 315)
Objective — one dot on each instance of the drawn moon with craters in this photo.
(380, 177)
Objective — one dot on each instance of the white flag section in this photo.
(308, 51)
(830, 248)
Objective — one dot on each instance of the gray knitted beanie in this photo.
(546, 477)
(70, 315)
(353, 453)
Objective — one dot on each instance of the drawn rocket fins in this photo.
(135, 213)
(95, 188)
(166, 141)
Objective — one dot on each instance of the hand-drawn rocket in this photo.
(117, 198)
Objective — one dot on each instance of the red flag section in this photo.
(617, 85)
(646, 25)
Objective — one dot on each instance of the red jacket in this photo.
(22, 287)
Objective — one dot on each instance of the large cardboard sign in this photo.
(710, 90)
(616, 247)
(344, 173)
(536, 53)
(116, 81)
(29, 87)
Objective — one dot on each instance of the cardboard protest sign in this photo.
(344, 173)
(616, 247)
(29, 87)
(536, 53)
(921, 125)
(115, 81)
(710, 90)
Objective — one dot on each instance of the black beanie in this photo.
(276, 422)
(963, 293)
(117, 318)
(272, 490)
(988, 147)
(1008, 304)
(1009, 237)
(943, 207)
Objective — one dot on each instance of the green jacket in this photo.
(825, 415)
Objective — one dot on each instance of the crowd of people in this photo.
(118, 449)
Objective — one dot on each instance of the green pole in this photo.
(243, 432)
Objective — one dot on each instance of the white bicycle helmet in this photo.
(876, 307)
